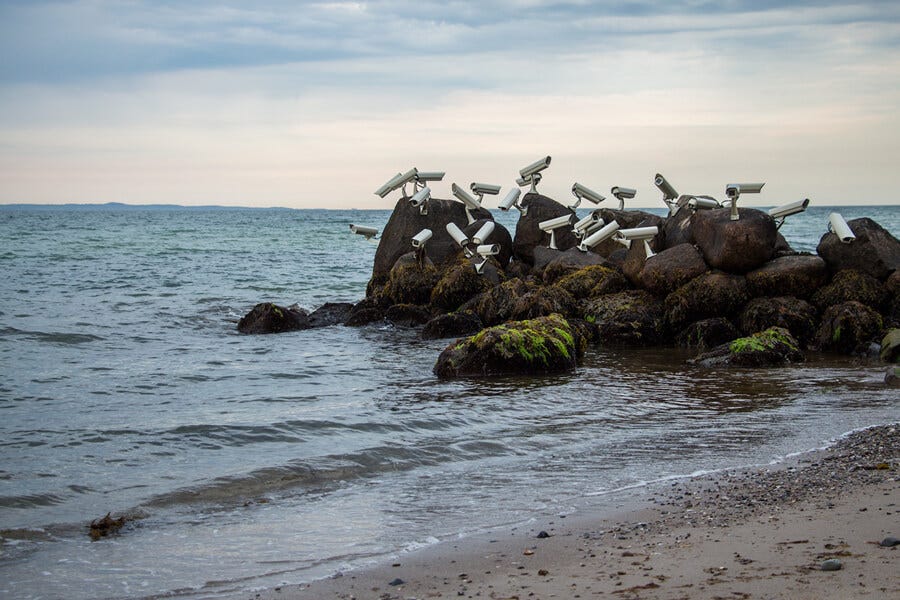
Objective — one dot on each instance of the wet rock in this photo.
(734, 246)
(569, 262)
(713, 294)
(630, 317)
(670, 269)
(849, 285)
(496, 305)
(848, 328)
(617, 258)
(890, 346)
(626, 219)
(330, 313)
(795, 275)
(396, 581)
(796, 315)
(536, 346)
(500, 236)
(411, 281)
(405, 222)
(366, 311)
(677, 228)
(458, 284)
(773, 347)
(889, 542)
(707, 334)
(832, 564)
(636, 255)
(782, 248)
(452, 325)
(529, 235)
(542, 535)
(543, 256)
(105, 526)
(517, 268)
(267, 317)
(544, 301)
(593, 281)
(874, 251)
(408, 315)
(892, 377)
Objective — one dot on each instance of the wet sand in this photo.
(761, 533)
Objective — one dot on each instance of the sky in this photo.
(317, 104)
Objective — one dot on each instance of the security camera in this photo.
(420, 199)
(367, 232)
(599, 236)
(670, 195)
(535, 167)
(426, 176)
(580, 191)
(459, 237)
(390, 186)
(531, 180)
(470, 202)
(840, 228)
(420, 238)
(645, 234)
(702, 203)
(551, 225)
(734, 191)
(621, 193)
(484, 251)
(480, 189)
(581, 227)
(512, 199)
(483, 233)
(780, 213)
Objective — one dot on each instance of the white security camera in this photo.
(420, 238)
(426, 176)
(599, 236)
(645, 234)
(581, 191)
(512, 199)
(551, 225)
(459, 237)
(367, 232)
(780, 213)
(581, 227)
(480, 189)
(840, 228)
(420, 199)
(703, 203)
(470, 202)
(484, 251)
(390, 186)
(734, 191)
(483, 233)
(670, 195)
(535, 167)
(621, 193)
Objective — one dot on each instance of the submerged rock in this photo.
(796, 275)
(707, 334)
(452, 325)
(330, 313)
(773, 347)
(267, 317)
(366, 311)
(631, 317)
(848, 328)
(536, 346)
(796, 315)
(874, 251)
(408, 315)
(734, 246)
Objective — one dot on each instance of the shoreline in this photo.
(759, 532)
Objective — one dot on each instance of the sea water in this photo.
(245, 462)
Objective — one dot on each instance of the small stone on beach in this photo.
(543, 534)
(396, 582)
(889, 542)
(832, 564)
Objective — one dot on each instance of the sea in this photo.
(246, 462)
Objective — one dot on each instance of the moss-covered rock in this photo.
(796, 275)
(536, 346)
(543, 301)
(593, 281)
(773, 347)
(875, 251)
(568, 262)
(411, 281)
(796, 315)
(458, 284)
(453, 325)
(267, 317)
(714, 294)
(496, 305)
(848, 328)
(707, 333)
(850, 285)
(630, 317)
(890, 346)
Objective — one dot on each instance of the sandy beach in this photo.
(771, 532)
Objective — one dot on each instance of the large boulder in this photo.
(564, 263)
(411, 280)
(848, 328)
(636, 255)
(796, 315)
(529, 235)
(452, 325)
(713, 294)
(496, 305)
(536, 346)
(267, 317)
(734, 246)
(458, 284)
(850, 285)
(892, 313)
(330, 313)
(629, 317)
(592, 281)
(677, 228)
(874, 251)
(670, 269)
(707, 333)
(368, 310)
(795, 275)
(408, 315)
(405, 222)
(769, 348)
(543, 301)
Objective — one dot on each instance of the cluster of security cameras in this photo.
(475, 247)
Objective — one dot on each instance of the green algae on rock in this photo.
(773, 347)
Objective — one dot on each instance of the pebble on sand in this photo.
(832, 564)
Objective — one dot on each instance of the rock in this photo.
(369, 310)
(330, 313)
(627, 219)
(405, 222)
(849, 285)
(636, 255)
(889, 542)
(677, 228)
(458, 284)
(396, 581)
(832, 564)
(517, 268)
(105, 526)
(874, 251)
(773, 347)
(411, 281)
(892, 377)
(452, 325)
(536, 346)
(593, 281)
(797, 316)
(408, 315)
(631, 317)
(670, 269)
(782, 248)
(734, 246)
(890, 346)
(267, 317)
(496, 305)
(500, 236)
(617, 257)
(892, 314)
(542, 535)
(568, 262)
(707, 334)
(543, 256)
(848, 328)
(529, 235)
(795, 275)
(544, 301)
(713, 294)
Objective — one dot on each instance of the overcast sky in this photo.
(316, 104)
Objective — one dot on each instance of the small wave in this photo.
(30, 500)
(52, 337)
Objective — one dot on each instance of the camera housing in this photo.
(621, 193)
(551, 225)
(420, 200)
(534, 168)
(367, 232)
(484, 251)
(670, 194)
(582, 226)
(644, 234)
(483, 233)
(398, 180)
(512, 199)
(421, 238)
(780, 213)
(469, 202)
(583, 192)
(703, 203)
(480, 189)
(734, 191)
(840, 228)
(599, 236)
(459, 237)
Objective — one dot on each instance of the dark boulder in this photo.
(529, 235)
(366, 311)
(452, 325)
(707, 334)
(543, 256)
(267, 317)
(874, 251)
(734, 246)
(544, 301)
(458, 284)
(411, 280)
(496, 305)
(770, 348)
(670, 269)
(892, 313)
(796, 315)
(408, 315)
(636, 255)
(499, 236)
(568, 262)
(677, 228)
(890, 346)
(850, 285)
(713, 294)
(330, 313)
(536, 346)
(796, 275)
(592, 281)
(630, 317)
(848, 328)
(628, 219)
